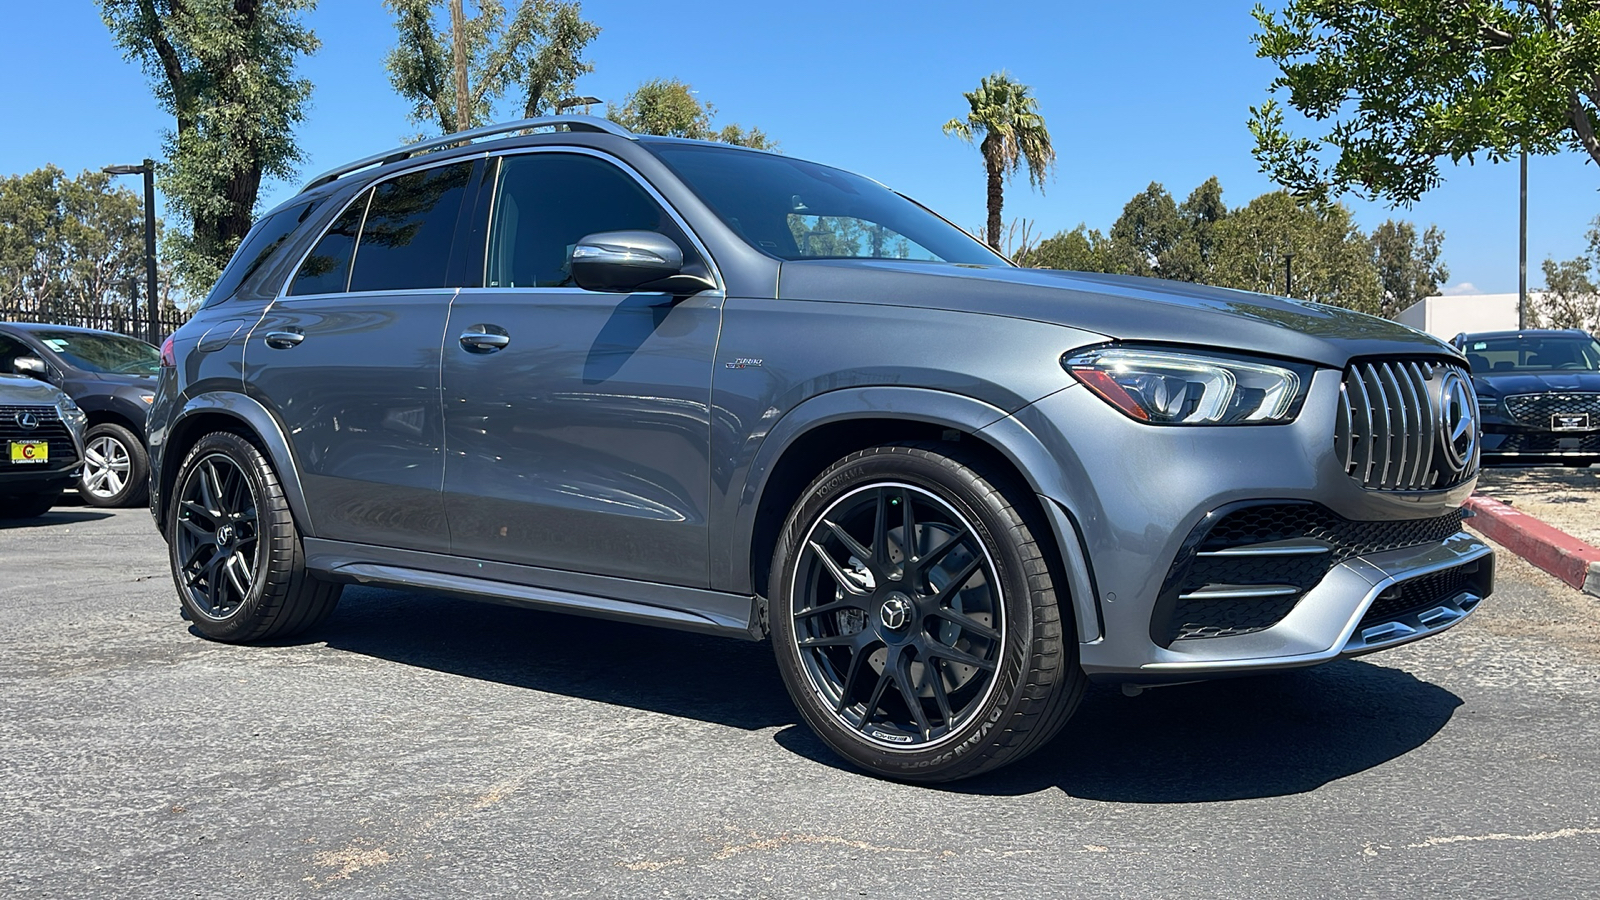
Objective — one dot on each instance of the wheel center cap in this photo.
(224, 535)
(896, 611)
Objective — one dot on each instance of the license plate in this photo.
(26, 452)
(1569, 422)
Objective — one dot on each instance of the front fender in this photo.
(983, 421)
(270, 438)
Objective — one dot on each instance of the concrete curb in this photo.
(1551, 549)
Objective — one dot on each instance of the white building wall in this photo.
(1446, 317)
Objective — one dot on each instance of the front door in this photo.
(578, 437)
(348, 361)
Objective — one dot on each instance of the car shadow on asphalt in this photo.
(56, 516)
(1231, 739)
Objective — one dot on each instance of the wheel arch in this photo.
(237, 413)
(829, 426)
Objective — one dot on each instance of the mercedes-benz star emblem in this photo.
(224, 535)
(1458, 421)
(28, 420)
(895, 612)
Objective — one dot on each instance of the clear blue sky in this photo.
(1133, 92)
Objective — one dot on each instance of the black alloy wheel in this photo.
(915, 618)
(898, 622)
(237, 559)
(217, 536)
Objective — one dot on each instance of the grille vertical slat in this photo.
(1388, 434)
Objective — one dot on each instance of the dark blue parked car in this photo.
(1539, 392)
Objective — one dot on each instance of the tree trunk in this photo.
(996, 193)
(458, 33)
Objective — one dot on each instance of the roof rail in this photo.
(570, 123)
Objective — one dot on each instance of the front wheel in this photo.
(236, 554)
(915, 618)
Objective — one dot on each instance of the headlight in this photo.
(1164, 387)
(70, 413)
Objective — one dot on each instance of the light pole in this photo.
(1522, 251)
(148, 170)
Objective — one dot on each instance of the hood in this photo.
(16, 390)
(1508, 383)
(1122, 307)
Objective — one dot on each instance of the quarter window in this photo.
(546, 202)
(327, 269)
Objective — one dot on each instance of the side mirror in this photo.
(29, 365)
(622, 262)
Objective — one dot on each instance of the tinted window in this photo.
(405, 243)
(259, 247)
(1533, 353)
(102, 352)
(794, 209)
(327, 269)
(10, 349)
(546, 202)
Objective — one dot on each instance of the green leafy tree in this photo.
(668, 107)
(1570, 297)
(1146, 232)
(1332, 258)
(1406, 83)
(1409, 265)
(1080, 250)
(225, 71)
(69, 246)
(454, 68)
(1192, 255)
(1003, 118)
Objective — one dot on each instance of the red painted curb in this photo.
(1562, 555)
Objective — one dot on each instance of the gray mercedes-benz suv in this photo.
(558, 364)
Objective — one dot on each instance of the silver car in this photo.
(561, 365)
(41, 437)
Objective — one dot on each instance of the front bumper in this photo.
(1134, 494)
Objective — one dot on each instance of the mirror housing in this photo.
(29, 365)
(625, 262)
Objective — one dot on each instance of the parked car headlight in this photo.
(1166, 387)
(70, 413)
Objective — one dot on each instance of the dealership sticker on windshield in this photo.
(24, 452)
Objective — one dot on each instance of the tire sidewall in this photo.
(976, 501)
(138, 467)
(245, 620)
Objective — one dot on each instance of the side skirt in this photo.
(598, 596)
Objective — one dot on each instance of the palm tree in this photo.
(1005, 115)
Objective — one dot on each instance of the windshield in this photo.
(1567, 352)
(107, 353)
(793, 209)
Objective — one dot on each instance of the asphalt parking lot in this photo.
(423, 746)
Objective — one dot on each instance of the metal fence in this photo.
(106, 318)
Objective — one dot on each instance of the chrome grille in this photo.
(1407, 425)
(49, 428)
(1537, 409)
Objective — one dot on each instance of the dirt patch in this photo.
(1563, 497)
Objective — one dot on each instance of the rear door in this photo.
(348, 360)
(581, 441)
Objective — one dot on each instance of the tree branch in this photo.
(170, 64)
(1578, 117)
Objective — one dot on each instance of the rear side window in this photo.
(327, 269)
(546, 202)
(409, 230)
(260, 247)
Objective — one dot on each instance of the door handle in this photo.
(484, 342)
(283, 340)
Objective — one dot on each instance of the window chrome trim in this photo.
(683, 224)
(368, 191)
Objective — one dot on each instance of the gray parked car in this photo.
(728, 391)
(41, 437)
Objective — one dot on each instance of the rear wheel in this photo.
(116, 469)
(236, 554)
(915, 618)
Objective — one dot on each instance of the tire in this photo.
(27, 506)
(237, 561)
(116, 467)
(914, 668)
